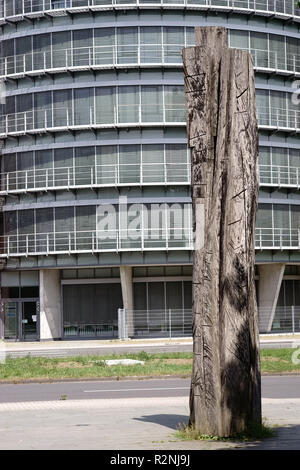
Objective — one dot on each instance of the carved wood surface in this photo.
(222, 131)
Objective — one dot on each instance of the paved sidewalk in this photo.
(93, 347)
(133, 423)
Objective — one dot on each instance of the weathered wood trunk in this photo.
(222, 130)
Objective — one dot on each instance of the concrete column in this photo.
(270, 278)
(127, 294)
(50, 308)
(1, 323)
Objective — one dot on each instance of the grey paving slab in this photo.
(133, 423)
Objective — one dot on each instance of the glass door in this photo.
(11, 316)
(29, 321)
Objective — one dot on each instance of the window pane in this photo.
(82, 47)
(62, 108)
(85, 166)
(104, 46)
(130, 163)
(107, 164)
(127, 45)
(152, 104)
(83, 106)
(174, 104)
(173, 44)
(61, 43)
(151, 44)
(239, 39)
(153, 163)
(128, 106)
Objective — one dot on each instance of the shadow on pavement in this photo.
(285, 438)
(167, 420)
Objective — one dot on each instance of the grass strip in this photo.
(273, 361)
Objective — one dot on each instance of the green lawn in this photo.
(272, 361)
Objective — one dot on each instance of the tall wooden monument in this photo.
(222, 132)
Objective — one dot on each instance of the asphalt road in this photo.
(272, 387)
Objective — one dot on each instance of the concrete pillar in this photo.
(1, 323)
(127, 294)
(270, 278)
(50, 308)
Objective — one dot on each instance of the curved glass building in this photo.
(95, 169)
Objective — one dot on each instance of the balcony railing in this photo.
(57, 119)
(63, 118)
(275, 175)
(134, 174)
(156, 239)
(279, 118)
(277, 238)
(102, 57)
(57, 7)
(95, 241)
(92, 57)
(127, 174)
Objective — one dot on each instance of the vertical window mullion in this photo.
(95, 167)
(285, 53)
(115, 52)
(54, 219)
(118, 163)
(51, 50)
(94, 114)
(52, 109)
(139, 45)
(140, 104)
(73, 109)
(163, 101)
(92, 52)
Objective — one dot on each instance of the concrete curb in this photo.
(119, 379)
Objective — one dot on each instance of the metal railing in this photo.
(285, 320)
(129, 174)
(93, 57)
(37, 7)
(279, 238)
(55, 119)
(126, 56)
(272, 60)
(95, 241)
(134, 174)
(167, 323)
(90, 330)
(41, 120)
(115, 240)
(279, 175)
(170, 323)
(279, 118)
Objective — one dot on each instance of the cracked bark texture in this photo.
(225, 395)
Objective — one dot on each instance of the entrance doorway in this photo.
(29, 321)
(21, 319)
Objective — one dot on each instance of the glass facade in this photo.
(132, 46)
(19, 7)
(94, 122)
(126, 105)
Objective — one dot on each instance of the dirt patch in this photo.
(70, 365)
(175, 362)
(273, 359)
